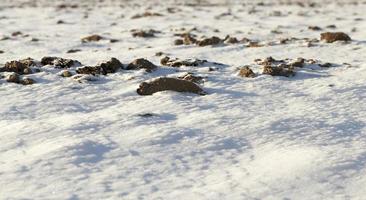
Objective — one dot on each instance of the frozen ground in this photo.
(260, 138)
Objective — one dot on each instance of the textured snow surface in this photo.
(250, 138)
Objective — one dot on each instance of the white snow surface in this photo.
(249, 138)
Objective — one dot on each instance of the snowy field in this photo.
(262, 137)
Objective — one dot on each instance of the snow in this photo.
(260, 138)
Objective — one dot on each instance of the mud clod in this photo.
(60, 62)
(315, 28)
(192, 78)
(27, 81)
(178, 42)
(278, 71)
(66, 73)
(111, 66)
(145, 34)
(331, 37)
(19, 67)
(13, 78)
(246, 72)
(231, 40)
(146, 14)
(166, 61)
(210, 41)
(91, 38)
(141, 63)
(73, 50)
(93, 70)
(172, 84)
(189, 39)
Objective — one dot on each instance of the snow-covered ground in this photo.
(250, 138)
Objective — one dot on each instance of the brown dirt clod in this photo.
(178, 42)
(278, 71)
(20, 67)
(60, 62)
(246, 72)
(27, 81)
(172, 84)
(91, 38)
(66, 73)
(192, 78)
(145, 34)
(166, 61)
(93, 70)
(111, 66)
(13, 78)
(331, 37)
(141, 63)
(210, 41)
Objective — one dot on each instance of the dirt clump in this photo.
(209, 41)
(19, 67)
(278, 71)
(159, 53)
(314, 28)
(300, 62)
(66, 73)
(13, 78)
(178, 42)
(192, 78)
(231, 40)
(60, 62)
(16, 33)
(27, 81)
(246, 72)
(91, 38)
(144, 33)
(141, 63)
(73, 50)
(111, 66)
(172, 84)
(166, 61)
(92, 70)
(189, 39)
(146, 14)
(326, 65)
(331, 37)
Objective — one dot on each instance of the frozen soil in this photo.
(264, 137)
